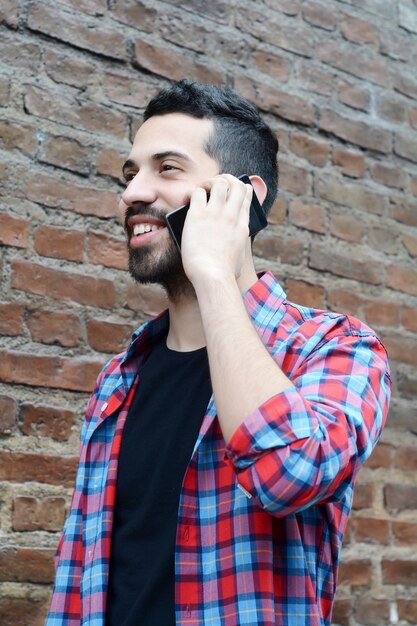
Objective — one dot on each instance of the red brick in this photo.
(21, 467)
(62, 194)
(342, 610)
(406, 146)
(371, 530)
(17, 135)
(357, 62)
(289, 7)
(389, 175)
(410, 243)
(61, 285)
(391, 108)
(407, 387)
(305, 293)
(167, 62)
(355, 572)
(356, 132)
(412, 117)
(13, 231)
(31, 611)
(294, 179)
(358, 266)
(395, 46)
(147, 299)
(350, 163)
(353, 195)
(413, 185)
(11, 318)
(10, 12)
(69, 69)
(357, 30)
(344, 227)
(363, 497)
(124, 90)
(408, 316)
(405, 83)
(406, 458)
(268, 27)
(7, 413)
(400, 496)
(68, 111)
(382, 312)
(31, 513)
(278, 211)
(280, 103)
(310, 149)
(404, 533)
(399, 572)
(321, 15)
(135, 14)
(404, 211)
(55, 327)
(107, 250)
(23, 368)
(77, 30)
(384, 239)
(26, 565)
(399, 348)
(26, 56)
(277, 67)
(219, 10)
(372, 612)
(91, 7)
(381, 456)
(4, 90)
(407, 610)
(344, 302)
(272, 246)
(59, 243)
(355, 97)
(110, 163)
(108, 336)
(46, 421)
(315, 79)
(66, 153)
(402, 278)
(309, 216)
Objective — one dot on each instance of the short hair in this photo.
(242, 142)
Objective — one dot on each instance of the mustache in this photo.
(143, 209)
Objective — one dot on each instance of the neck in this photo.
(186, 331)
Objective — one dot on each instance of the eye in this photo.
(168, 167)
(128, 176)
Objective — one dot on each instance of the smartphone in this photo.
(176, 219)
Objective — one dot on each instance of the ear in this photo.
(259, 188)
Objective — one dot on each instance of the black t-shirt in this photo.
(158, 439)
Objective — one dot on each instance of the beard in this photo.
(163, 267)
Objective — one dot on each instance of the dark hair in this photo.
(242, 143)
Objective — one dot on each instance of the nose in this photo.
(139, 189)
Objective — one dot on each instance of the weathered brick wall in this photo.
(338, 82)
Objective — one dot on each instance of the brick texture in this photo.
(337, 82)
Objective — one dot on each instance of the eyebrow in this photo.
(159, 156)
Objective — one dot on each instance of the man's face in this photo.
(166, 163)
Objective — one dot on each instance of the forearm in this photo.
(243, 373)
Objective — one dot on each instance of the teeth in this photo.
(139, 229)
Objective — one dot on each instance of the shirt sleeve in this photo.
(305, 445)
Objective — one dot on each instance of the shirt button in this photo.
(90, 552)
(186, 533)
(104, 407)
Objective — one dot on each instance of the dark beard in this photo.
(147, 266)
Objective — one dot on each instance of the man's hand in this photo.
(216, 231)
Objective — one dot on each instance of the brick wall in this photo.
(337, 81)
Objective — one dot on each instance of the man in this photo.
(226, 509)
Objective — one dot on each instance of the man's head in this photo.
(191, 132)
(241, 142)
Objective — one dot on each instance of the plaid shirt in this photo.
(261, 521)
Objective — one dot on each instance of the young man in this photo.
(223, 509)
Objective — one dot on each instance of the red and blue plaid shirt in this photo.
(261, 521)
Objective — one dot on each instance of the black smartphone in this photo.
(176, 219)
